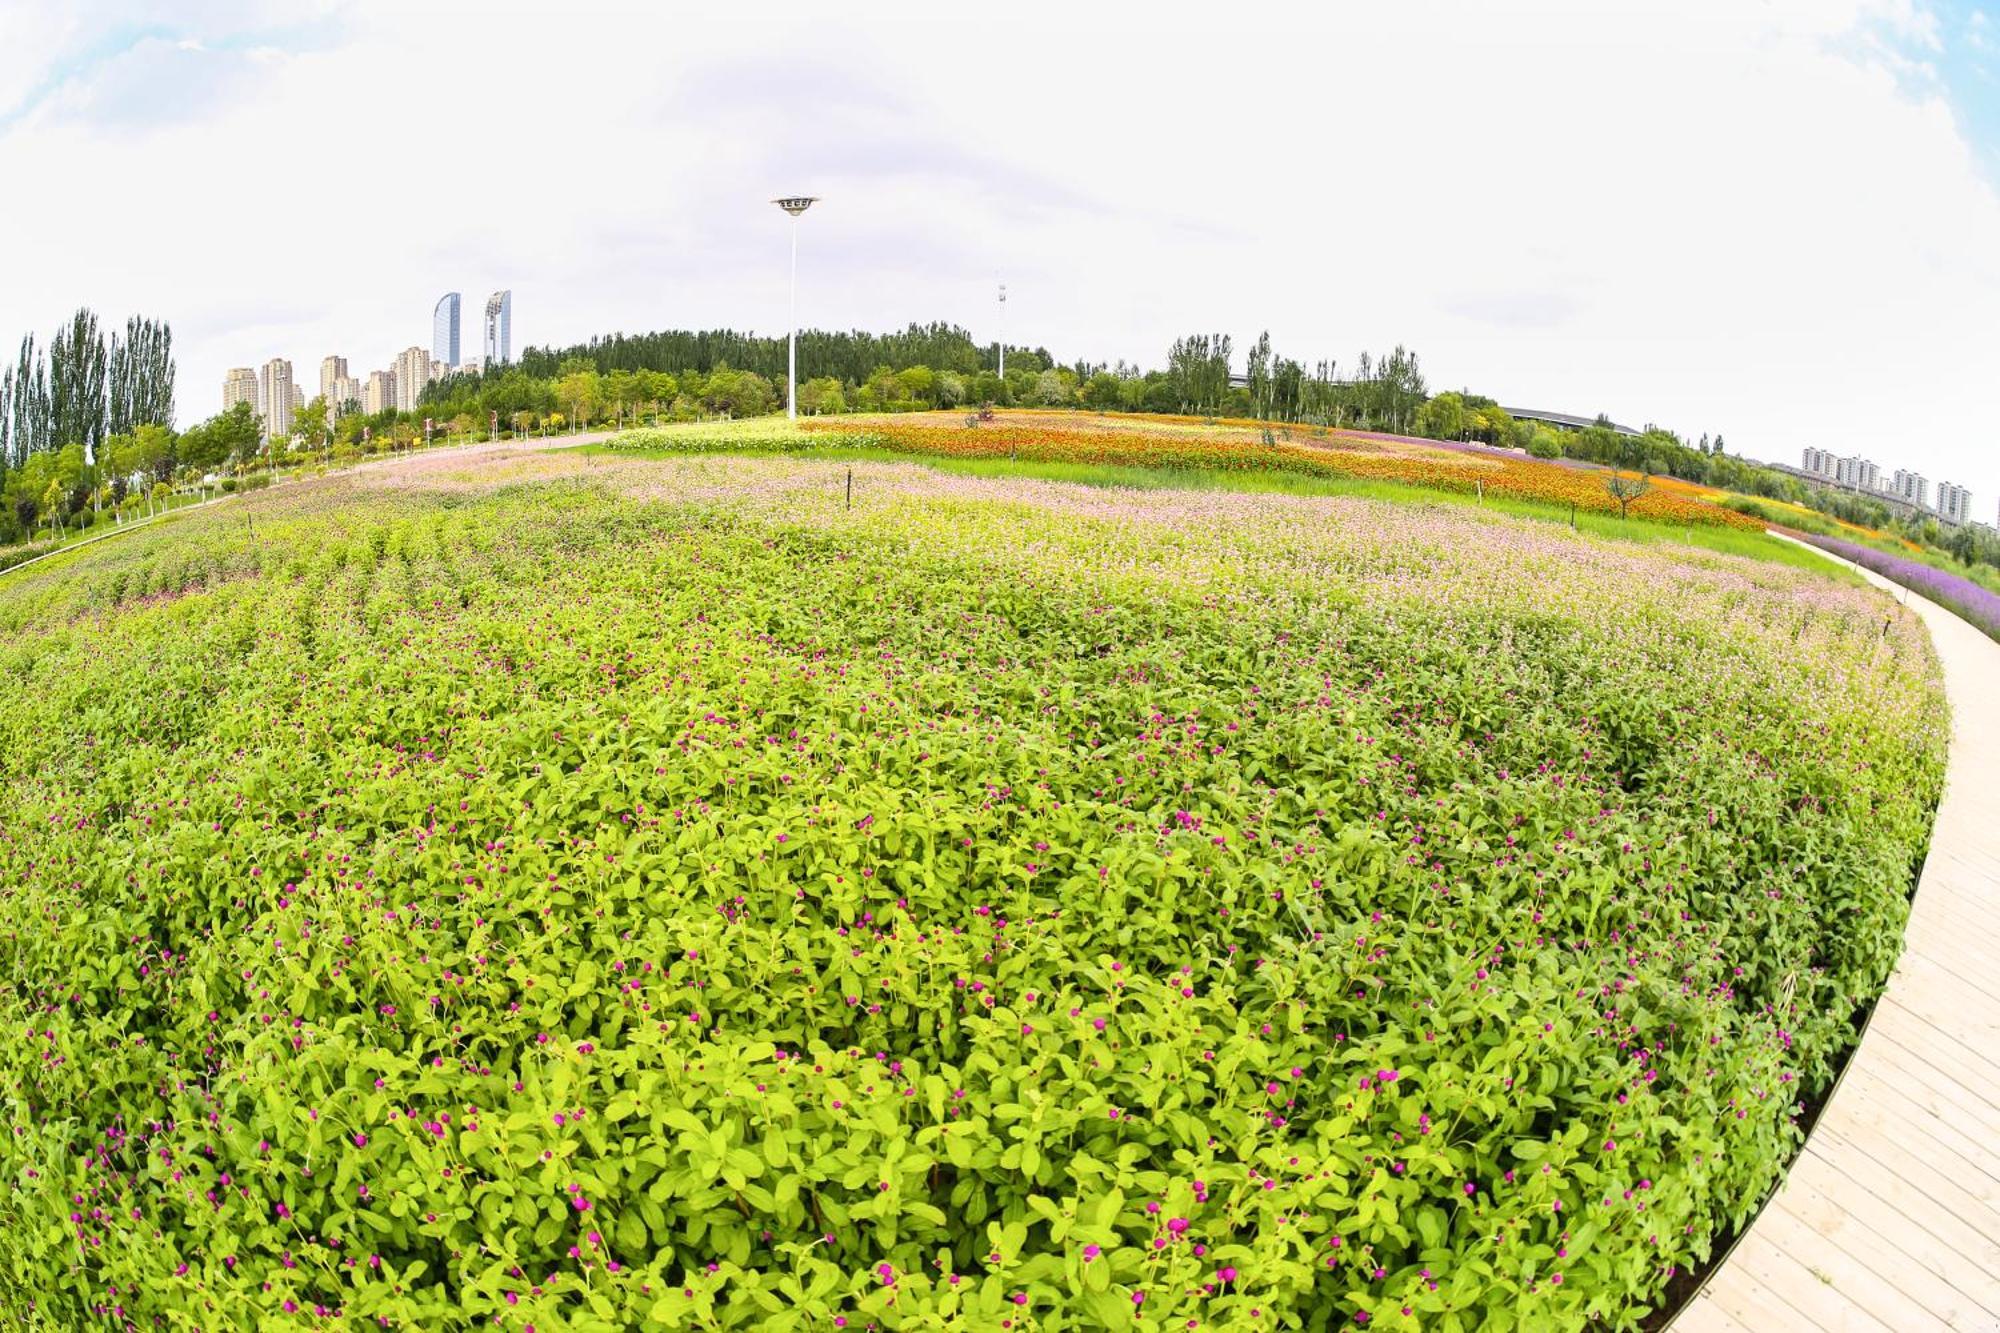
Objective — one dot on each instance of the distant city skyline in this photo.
(400, 384)
(1863, 476)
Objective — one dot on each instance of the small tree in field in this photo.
(1626, 489)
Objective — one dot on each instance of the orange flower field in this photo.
(1236, 446)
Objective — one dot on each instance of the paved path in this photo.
(1890, 1217)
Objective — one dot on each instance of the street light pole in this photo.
(1003, 333)
(794, 204)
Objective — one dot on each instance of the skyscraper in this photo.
(499, 345)
(239, 386)
(274, 395)
(444, 329)
(413, 372)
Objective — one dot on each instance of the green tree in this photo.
(580, 389)
(822, 395)
(918, 384)
(1257, 367)
(1103, 391)
(76, 383)
(309, 423)
(1443, 417)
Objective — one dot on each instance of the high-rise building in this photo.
(498, 348)
(346, 390)
(444, 329)
(276, 395)
(380, 393)
(239, 386)
(332, 370)
(1911, 488)
(1857, 474)
(1954, 502)
(413, 372)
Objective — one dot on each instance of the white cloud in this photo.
(1762, 220)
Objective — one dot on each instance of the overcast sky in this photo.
(1773, 220)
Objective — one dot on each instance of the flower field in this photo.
(1979, 606)
(648, 894)
(1187, 443)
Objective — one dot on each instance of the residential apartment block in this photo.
(413, 372)
(1954, 503)
(379, 395)
(239, 386)
(276, 396)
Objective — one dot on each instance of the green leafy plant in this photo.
(1001, 905)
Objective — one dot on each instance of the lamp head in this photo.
(796, 204)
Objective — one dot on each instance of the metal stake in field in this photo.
(850, 488)
(794, 204)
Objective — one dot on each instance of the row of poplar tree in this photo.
(85, 387)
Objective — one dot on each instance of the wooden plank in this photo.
(1893, 1016)
(1939, 1063)
(1918, 1211)
(1921, 986)
(1814, 1293)
(1947, 900)
(1952, 915)
(1836, 1206)
(1927, 1075)
(1940, 1193)
(1950, 876)
(1944, 948)
(1954, 852)
(1880, 1108)
(1976, 997)
(1746, 1298)
(1705, 1315)
(1951, 885)
(1915, 966)
(1895, 1297)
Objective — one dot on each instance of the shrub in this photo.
(1002, 902)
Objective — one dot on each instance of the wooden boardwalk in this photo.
(1890, 1217)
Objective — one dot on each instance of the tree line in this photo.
(849, 356)
(85, 386)
(75, 412)
(96, 410)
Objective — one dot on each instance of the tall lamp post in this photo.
(794, 204)
(1003, 333)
